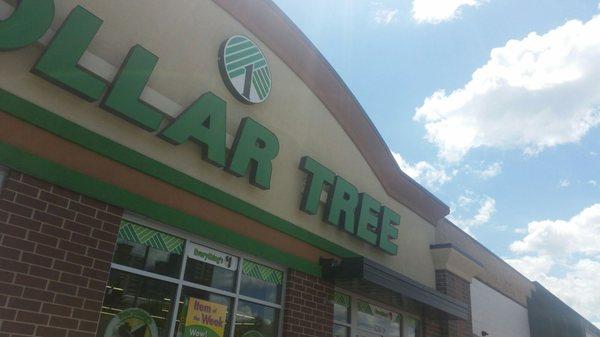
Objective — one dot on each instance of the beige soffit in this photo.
(447, 257)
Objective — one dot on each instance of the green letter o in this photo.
(29, 21)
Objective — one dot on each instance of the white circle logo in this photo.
(244, 69)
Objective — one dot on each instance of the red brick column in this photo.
(308, 308)
(55, 253)
(457, 288)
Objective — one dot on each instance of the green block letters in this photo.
(341, 205)
(255, 147)
(123, 99)
(58, 63)
(317, 176)
(28, 22)
(204, 123)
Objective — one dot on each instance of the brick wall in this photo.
(308, 306)
(457, 288)
(55, 253)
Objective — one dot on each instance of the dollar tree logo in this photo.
(244, 70)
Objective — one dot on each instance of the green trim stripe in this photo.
(342, 299)
(70, 131)
(53, 173)
(264, 273)
(146, 236)
(364, 307)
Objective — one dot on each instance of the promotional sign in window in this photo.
(373, 320)
(205, 319)
(132, 322)
(211, 256)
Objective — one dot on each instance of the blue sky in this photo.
(512, 143)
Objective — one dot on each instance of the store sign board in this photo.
(245, 71)
(203, 122)
(356, 213)
(212, 256)
(205, 319)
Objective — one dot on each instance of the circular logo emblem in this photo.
(131, 322)
(244, 69)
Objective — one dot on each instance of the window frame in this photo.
(3, 175)
(180, 281)
(353, 325)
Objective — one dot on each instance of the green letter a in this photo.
(204, 123)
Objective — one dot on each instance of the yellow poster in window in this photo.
(205, 319)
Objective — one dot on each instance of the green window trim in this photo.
(364, 307)
(263, 273)
(51, 122)
(133, 232)
(342, 299)
(54, 173)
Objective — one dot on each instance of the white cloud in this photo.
(593, 182)
(564, 183)
(564, 256)
(437, 11)
(533, 267)
(534, 93)
(425, 173)
(580, 234)
(490, 171)
(481, 207)
(385, 15)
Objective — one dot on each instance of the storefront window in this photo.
(261, 282)
(148, 249)
(255, 320)
(377, 320)
(212, 299)
(341, 315)
(136, 306)
(357, 317)
(161, 285)
(412, 328)
(210, 275)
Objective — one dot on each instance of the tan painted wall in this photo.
(496, 273)
(186, 35)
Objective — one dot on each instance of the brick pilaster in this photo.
(308, 308)
(55, 252)
(457, 288)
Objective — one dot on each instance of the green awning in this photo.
(261, 272)
(133, 232)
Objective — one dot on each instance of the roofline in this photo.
(469, 237)
(268, 23)
(586, 323)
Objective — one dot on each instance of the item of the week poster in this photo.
(205, 319)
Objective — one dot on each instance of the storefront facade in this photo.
(196, 168)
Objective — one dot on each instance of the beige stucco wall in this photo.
(186, 35)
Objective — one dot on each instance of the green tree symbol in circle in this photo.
(245, 70)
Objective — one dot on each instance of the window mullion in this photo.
(178, 293)
(237, 295)
(261, 302)
(140, 272)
